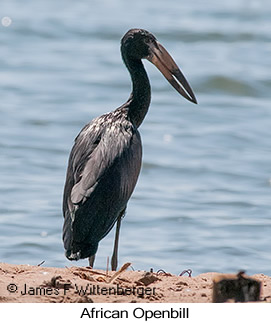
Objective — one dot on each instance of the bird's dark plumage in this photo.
(99, 181)
(105, 160)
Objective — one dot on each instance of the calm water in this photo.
(203, 197)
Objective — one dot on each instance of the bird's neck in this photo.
(140, 98)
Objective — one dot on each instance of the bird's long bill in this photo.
(166, 65)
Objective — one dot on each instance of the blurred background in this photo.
(203, 197)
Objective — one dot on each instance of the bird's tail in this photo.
(76, 250)
(67, 239)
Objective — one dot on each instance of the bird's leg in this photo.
(91, 260)
(114, 259)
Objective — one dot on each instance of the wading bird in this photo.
(105, 160)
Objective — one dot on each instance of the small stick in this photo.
(115, 276)
(161, 271)
(85, 269)
(41, 263)
(188, 271)
(107, 266)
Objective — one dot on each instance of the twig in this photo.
(187, 271)
(107, 265)
(161, 271)
(91, 271)
(115, 276)
(41, 263)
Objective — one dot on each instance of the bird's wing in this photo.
(103, 169)
(84, 145)
(95, 152)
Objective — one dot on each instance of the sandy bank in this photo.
(24, 283)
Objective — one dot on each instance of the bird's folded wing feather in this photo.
(96, 157)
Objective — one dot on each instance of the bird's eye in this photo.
(147, 41)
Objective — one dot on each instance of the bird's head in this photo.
(138, 44)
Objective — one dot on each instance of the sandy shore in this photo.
(24, 283)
